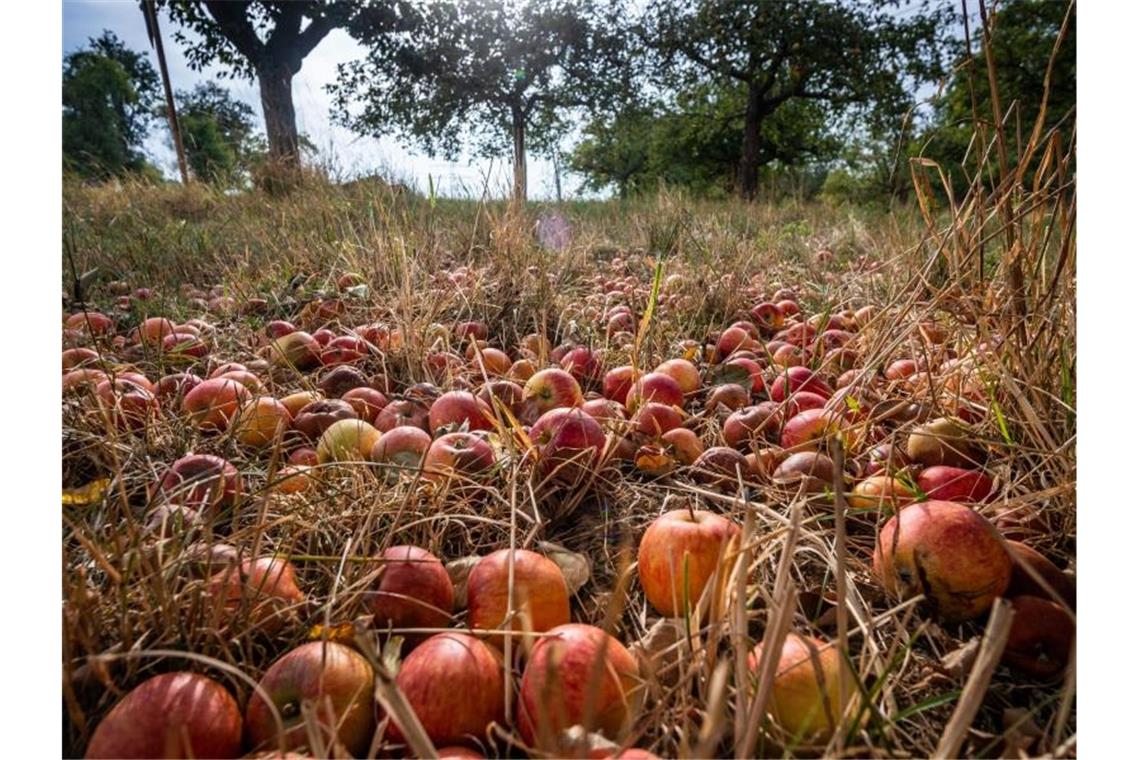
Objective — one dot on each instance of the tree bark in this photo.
(276, 85)
(518, 135)
(749, 170)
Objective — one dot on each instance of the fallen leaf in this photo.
(575, 567)
(458, 570)
(958, 663)
(90, 493)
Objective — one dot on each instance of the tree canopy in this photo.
(481, 73)
(109, 94)
(263, 40)
(219, 133)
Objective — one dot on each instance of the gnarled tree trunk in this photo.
(276, 85)
(749, 170)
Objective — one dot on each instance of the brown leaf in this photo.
(458, 570)
(660, 650)
(957, 664)
(575, 567)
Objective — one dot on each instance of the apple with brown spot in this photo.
(946, 552)
(331, 680)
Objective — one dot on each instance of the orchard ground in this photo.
(943, 287)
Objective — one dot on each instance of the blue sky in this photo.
(83, 19)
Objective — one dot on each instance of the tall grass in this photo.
(994, 267)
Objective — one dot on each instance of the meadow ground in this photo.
(981, 296)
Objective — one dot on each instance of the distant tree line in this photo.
(722, 97)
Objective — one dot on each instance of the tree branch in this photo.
(233, 22)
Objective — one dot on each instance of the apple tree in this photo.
(482, 72)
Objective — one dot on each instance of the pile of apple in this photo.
(776, 403)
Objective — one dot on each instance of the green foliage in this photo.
(465, 73)
(851, 62)
(694, 142)
(108, 95)
(1022, 42)
(218, 134)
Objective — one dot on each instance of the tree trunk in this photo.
(749, 170)
(276, 84)
(518, 134)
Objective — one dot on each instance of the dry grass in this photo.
(994, 269)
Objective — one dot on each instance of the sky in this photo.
(349, 153)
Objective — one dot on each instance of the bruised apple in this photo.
(946, 552)
(203, 481)
(330, 681)
(1040, 637)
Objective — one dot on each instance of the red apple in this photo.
(336, 382)
(333, 681)
(404, 446)
(947, 552)
(798, 379)
(541, 599)
(264, 589)
(655, 386)
(682, 545)
(653, 419)
(413, 590)
(585, 365)
(617, 382)
(170, 715)
(454, 684)
(811, 429)
(577, 675)
(684, 372)
(550, 389)
(366, 401)
(955, 484)
(683, 444)
(457, 453)
(568, 442)
(203, 481)
(214, 402)
(729, 395)
(456, 409)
